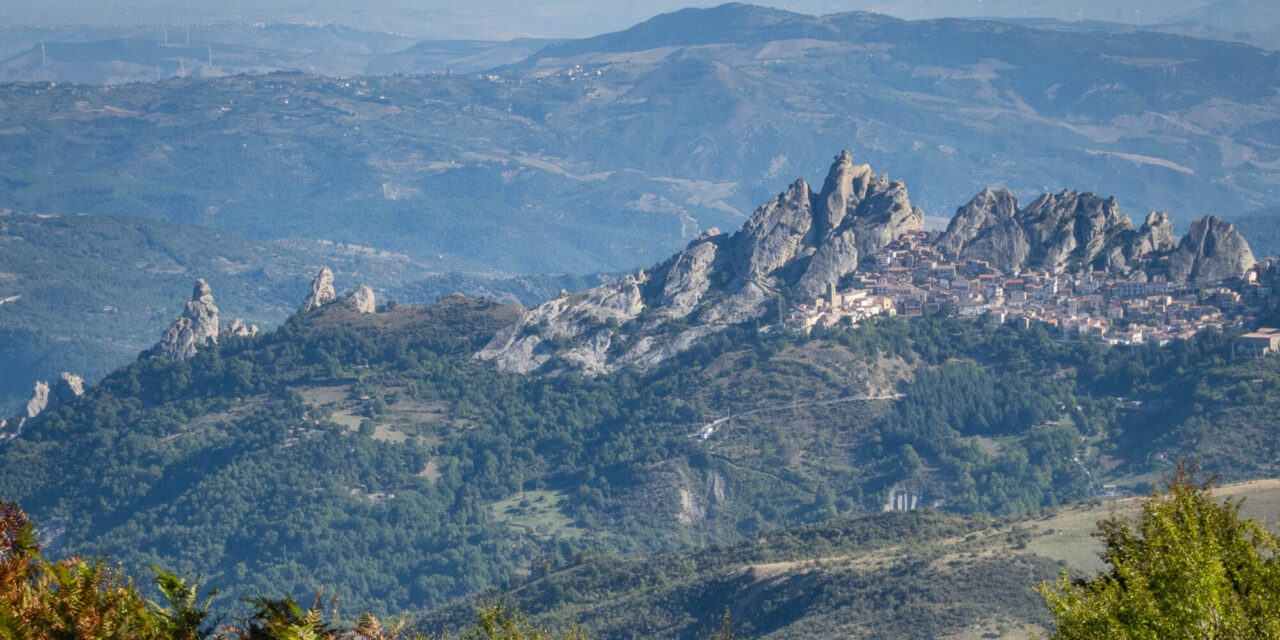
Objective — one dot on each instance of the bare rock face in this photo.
(1155, 236)
(689, 277)
(38, 403)
(776, 233)
(800, 240)
(1211, 251)
(833, 259)
(987, 229)
(195, 328)
(67, 388)
(363, 300)
(44, 398)
(322, 291)
(1065, 232)
(238, 329)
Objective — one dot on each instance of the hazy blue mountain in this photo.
(608, 153)
(116, 55)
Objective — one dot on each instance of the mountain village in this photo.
(910, 278)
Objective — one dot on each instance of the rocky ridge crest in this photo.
(1074, 233)
(800, 242)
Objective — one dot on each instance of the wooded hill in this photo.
(372, 456)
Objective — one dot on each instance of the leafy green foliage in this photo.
(372, 457)
(1191, 567)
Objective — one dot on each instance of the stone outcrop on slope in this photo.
(802, 240)
(1211, 251)
(195, 328)
(1065, 232)
(198, 327)
(1155, 237)
(238, 329)
(1073, 232)
(322, 291)
(67, 387)
(44, 398)
(363, 300)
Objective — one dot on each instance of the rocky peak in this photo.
(195, 328)
(363, 300)
(987, 227)
(801, 240)
(1211, 251)
(238, 329)
(845, 186)
(776, 232)
(1155, 236)
(1068, 231)
(322, 291)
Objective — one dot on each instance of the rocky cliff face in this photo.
(44, 398)
(1155, 237)
(1073, 232)
(1211, 251)
(1065, 232)
(322, 291)
(802, 240)
(198, 327)
(363, 300)
(195, 328)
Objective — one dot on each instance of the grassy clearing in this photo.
(536, 513)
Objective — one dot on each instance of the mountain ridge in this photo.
(805, 243)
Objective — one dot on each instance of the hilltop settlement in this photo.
(911, 277)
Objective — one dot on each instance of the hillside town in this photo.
(910, 278)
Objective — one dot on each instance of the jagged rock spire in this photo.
(802, 240)
(195, 328)
(322, 291)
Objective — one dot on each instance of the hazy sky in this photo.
(501, 19)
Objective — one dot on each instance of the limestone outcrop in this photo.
(238, 329)
(322, 291)
(1155, 237)
(38, 403)
(1211, 251)
(195, 328)
(801, 240)
(1073, 232)
(1064, 232)
(363, 300)
(67, 387)
(44, 398)
(198, 327)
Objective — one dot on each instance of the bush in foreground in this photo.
(77, 599)
(1189, 568)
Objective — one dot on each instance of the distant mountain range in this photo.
(606, 153)
(503, 19)
(589, 156)
(117, 55)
